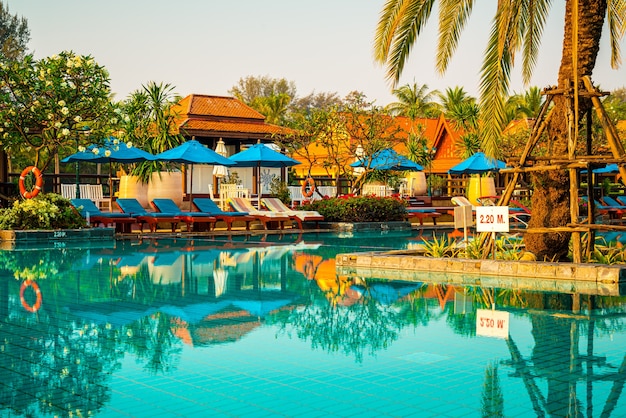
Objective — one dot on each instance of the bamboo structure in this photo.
(573, 164)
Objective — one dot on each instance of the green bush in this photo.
(46, 211)
(359, 209)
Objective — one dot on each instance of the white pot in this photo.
(166, 184)
(416, 182)
(132, 187)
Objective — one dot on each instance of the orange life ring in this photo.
(308, 187)
(29, 194)
(35, 306)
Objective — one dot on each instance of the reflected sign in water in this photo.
(265, 325)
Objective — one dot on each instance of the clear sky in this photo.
(206, 46)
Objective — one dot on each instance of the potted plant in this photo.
(150, 125)
(436, 184)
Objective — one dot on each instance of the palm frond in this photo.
(453, 15)
(494, 85)
(537, 13)
(616, 13)
(400, 23)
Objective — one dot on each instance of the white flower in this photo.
(118, 110)
(129, 145)
(113, 121)
(116, 141)
(26, 129)
(57, 125)
(7, 124)
(77, 119)
(50, 116)
(65, 111)
(96, 150)
(61, 102)
(107, 153)
(126, 119)
(81, 148)
(65, 132)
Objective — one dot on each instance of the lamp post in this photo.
(430, 153)
(85, 130)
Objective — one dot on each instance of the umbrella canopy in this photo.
(609, 168)
(112, 151)
(260, 155)
(477, 164)
(193, 152)
(388, 159)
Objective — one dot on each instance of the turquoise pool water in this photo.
(262, 326)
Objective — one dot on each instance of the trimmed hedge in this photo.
(359, 209)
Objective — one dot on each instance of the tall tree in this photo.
(414, 101)
(517, 27)
(14, 35)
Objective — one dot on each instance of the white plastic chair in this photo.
(68, 191)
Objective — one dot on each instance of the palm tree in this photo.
(454, 97)
(525, 105)
(517, 26)
(414, 101)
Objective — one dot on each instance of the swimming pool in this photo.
(252, 326)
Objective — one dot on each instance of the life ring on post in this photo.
(308, 187)
(29, 194)
(35, 306)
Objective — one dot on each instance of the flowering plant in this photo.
(46, 211)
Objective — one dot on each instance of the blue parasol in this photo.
(388, 159)
(477, 164)
(260, 155)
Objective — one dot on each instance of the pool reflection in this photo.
(65, 334)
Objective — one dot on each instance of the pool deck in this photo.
(409, 265)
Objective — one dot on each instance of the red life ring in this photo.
(35, 306)
(308, 187)
(38, 182)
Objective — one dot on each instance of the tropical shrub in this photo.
(46, 211)
(359, 209)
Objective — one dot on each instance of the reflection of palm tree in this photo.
(492, 399)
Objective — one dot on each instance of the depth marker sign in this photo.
(492, 219)
(492, 323)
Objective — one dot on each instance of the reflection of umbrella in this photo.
(220, 171)
(112, 151)
(388, 159)
(192, 152)
(477, 164)
(260, 155)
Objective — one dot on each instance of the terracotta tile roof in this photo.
(204, 106)
(205, 115)
(234, 127)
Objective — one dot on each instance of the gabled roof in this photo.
(220, 116)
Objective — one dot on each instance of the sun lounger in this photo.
(191, 219)
(422, 213)
(88, 210)
(612, 203)
(206, 205)
(133, 208)
(276, 205)
(240, 204)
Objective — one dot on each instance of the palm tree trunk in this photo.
(551, 200)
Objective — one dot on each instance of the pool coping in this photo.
(409, 265)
